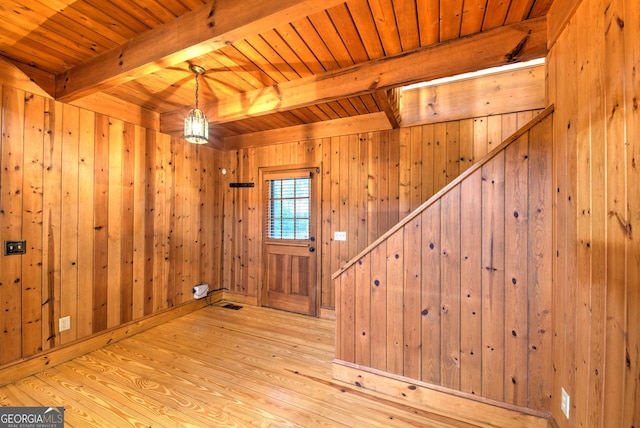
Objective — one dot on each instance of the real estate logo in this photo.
(31, 417)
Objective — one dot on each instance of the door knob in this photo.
(312, 249)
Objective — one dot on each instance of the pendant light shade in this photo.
(196, 127)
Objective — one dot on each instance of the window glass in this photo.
(289, 208)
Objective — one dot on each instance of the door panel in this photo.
(290, 278)
(289, 262)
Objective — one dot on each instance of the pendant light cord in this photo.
(197, 91)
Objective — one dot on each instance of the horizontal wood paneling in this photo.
(594, 83)
(370, 181)
(500, 93)
(460, 319)
(107, 208)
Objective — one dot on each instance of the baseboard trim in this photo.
(240, 298)
(476, 411)
(20, 369)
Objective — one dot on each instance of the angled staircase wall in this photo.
(457, 296)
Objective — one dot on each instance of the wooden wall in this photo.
(370, 181)
(594, 82)
(458, 295)
(120, 222)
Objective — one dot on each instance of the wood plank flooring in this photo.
(216, 367)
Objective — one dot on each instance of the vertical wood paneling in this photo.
(176, 204)
(493, 277)
(439, 155)
(150, 220)
(540, 266)
(253, 241)
(561, 320)
(466, 144)
(384, 183)
(166, 284)
(599, 168)
(126, 230)
(86, 168)
(51, 202)
(617, 217)
(114, 221)
(347, 345)
(395, 301)
(352, 196)
(11, 222)
(431, 292)
(345, 213)
(76, 186)
(159, 283)
(412, 299)
(453, 150)
(363, 312)
(139, 222)
(427, 144)
(583, 202)
(394, 180)
(373, 186)
(378, 287)
(450, 288)
(32, 231)
(480, 136)
(478, 257)
(405, 172)
(515, 272)
(101, 223)
(471, 288)
(326, 294)
(416, 167)
(631, 416)
(69, 236)
(206, 218)
(188, 259)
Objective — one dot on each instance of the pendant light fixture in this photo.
(196, 127)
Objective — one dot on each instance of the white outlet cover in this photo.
(64, 323)
(565, 403)
(339, 236)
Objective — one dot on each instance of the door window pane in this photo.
(288, 208)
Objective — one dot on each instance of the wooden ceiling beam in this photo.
(196, 33)
(389, 103)
(503, 45)
(312, 131)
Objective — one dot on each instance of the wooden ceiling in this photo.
(269, 63)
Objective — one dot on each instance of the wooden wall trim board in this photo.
(239, 298)
(506, 92)
(351, 125)
(469, 408)
(37, 363)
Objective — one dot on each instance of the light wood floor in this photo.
(215, 367)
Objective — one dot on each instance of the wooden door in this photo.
(290, 260)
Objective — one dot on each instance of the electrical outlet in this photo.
(565, 403)
(64, 323)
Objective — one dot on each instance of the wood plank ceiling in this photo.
(270, 64)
